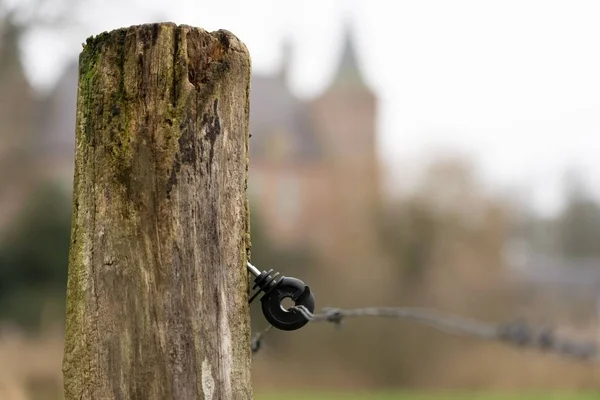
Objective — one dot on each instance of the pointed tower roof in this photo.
(348, 73)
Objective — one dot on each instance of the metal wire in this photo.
(516, 334)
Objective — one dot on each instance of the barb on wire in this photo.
(516, 333)
(256, 342)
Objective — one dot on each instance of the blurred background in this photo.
(435, 153)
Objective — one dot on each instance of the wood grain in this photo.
(157, 288)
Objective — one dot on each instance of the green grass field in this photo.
(425, 396)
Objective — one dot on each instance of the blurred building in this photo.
(314, 173)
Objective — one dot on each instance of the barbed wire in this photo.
(518, 334)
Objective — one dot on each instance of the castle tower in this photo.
(344, 117)
(314, 176)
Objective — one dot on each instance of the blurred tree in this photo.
(19, 18)
(33, 259)
(289, 261)
(33, 239)
(16, 124)
(447, 204)
(578, 225)
(444, 240)
(408, 234)
(29, 14)
(9, 51)
(266, 256)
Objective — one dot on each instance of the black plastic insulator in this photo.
(279, 317)
(276, 288)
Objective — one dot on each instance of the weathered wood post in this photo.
(157, 289)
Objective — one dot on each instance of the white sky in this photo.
(514, 84)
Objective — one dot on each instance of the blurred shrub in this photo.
(446, 210)
(408, 235)
(578, 226)
(266, 256)
(295, 262)
(34, 258)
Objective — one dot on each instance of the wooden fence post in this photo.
(158, 287)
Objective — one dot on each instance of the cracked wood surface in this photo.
(157, 291)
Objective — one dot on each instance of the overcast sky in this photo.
(513, 84)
